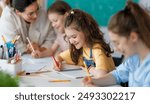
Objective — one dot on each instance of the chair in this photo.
(118, 60)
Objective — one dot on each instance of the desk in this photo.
(41, 80)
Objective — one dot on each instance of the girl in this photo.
(87, 44)
(56, 14)
(129, 30)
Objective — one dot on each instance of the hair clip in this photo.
(72, 12)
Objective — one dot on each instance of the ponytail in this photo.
(132, 19)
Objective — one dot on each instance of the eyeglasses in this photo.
(31, 14)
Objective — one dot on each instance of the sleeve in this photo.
(66, 57)
(121, 73)
(100, 59)
(57, 39)
(9, 29)
(50, 38)
(147, 80)
(46, 29)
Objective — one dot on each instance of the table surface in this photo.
(42, 79)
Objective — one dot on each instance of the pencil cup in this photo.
(10, 68)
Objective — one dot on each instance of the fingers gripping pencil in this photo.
(30, 45)
(87, 72)
(55, 61)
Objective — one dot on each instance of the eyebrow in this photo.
(35, 10)
(72, 35)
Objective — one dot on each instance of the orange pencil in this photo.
(16, 38)
(59, 80)
(55, 61)
(30, 44)
(3, 38)
(87, 72)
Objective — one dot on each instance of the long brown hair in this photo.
(132, 19)
(85, 23)
(59, 7)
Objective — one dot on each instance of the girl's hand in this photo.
(57, 67)
(34, 45)
(88, 83)
(97, 73)
(36, 54)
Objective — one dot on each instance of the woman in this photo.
(27, 19)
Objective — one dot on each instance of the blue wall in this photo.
(101, 10)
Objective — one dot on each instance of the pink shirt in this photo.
(60, 40)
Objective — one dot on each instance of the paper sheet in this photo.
(32, 65)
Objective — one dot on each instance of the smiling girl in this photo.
(87, 44)
(129, 30)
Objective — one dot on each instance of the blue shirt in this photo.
(137, 75)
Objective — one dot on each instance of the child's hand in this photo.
(36, 54)
(88, 83)
(35, 47)
(57, 67)
(97, 73)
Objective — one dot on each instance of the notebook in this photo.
(73, 73)
(30, 67)
(33, 65)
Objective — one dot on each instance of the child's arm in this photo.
(63, 56)
(97, 73)
(103, 63)
(106, 80)
(58, 67)
(46, 52)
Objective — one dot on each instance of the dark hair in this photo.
(82, 21)
(132, 19)
(21, 5)
(59, 7)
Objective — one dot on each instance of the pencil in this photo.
(16, 38)
(38, 72)
(30, 44)
(21, 73)
(3, 38)
(87, 72)
(59, 80)
(55, 61)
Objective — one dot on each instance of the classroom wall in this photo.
(101, 10)
(145, 4)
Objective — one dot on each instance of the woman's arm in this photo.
(46, 52)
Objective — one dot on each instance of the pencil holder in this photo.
(10, 68)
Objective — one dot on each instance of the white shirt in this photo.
(40, 32)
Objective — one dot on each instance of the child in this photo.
(56, 14)
(129, 30)
(87, 44)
